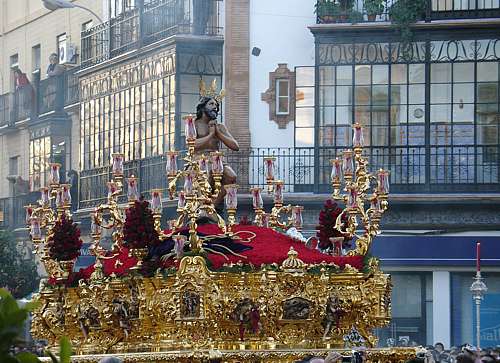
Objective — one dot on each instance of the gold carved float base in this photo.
(392, 355)
(276, 314)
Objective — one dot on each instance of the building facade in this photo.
(429, 107)
(296, 80)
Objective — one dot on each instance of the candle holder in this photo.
(296, 217)
(156, 208)
(336, 176)
(231, 201)
(278, 193)
(54, 177)
(217, 171)
(132, 190)
(279, 209)
(190, 132)
(44, 197)
(357, 138)
(171, 165)
(258, 205)
(269, 172)
(117, 164)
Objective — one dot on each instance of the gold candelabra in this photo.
(54, 202)
(110, 216)
(363, 193)
(195, 200)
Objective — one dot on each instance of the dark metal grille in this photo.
(308, 170)
(436, 10)
(159, 19)
(5, 109)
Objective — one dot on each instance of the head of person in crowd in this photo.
(464, 358)
(110, 360)
(439, 347)
(333, 357)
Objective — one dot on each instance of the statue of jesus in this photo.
(210, 135)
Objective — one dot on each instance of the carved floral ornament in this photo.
(282, 72)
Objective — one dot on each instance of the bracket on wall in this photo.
(282, 72)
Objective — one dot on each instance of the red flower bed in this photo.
(268, 247)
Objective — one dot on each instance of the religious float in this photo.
(206, 288)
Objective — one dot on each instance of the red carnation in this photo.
(326, 226)
(65, 243)
(138, 229)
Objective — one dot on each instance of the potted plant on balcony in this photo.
(403, 14)
(355, 16)
(345, 9)
(373, 8)
(327, 11)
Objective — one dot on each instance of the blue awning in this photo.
(436, 250)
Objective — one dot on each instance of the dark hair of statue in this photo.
(201, 105)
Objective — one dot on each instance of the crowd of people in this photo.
(430, 354)
(463, 354)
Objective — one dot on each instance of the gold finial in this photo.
(212, 91)
(293, 262)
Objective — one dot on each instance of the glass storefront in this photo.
(411, 310)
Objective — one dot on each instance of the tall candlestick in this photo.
(189, 128)
(478, 256)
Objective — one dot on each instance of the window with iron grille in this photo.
(431, 117)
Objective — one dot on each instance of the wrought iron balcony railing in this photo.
(12, 211)
(414, 169)
(360, 11)
(40, 97)
(154, 21)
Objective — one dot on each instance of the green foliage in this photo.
(355, 16)
(346, 5)
(12, 318)
(18, 273)
(326, 8)
(404, 13)
(64, 352)
(374, 7)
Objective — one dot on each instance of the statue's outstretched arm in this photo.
(227, 138)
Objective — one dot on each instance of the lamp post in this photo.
(478, 289)
(65, 4)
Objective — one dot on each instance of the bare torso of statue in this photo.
(210, 135)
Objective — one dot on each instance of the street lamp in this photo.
(478, 289)
(65, 4)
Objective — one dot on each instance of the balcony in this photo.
(361, 11)
(152, 22)
(414, 169)
(12, 212)
(49, 95)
